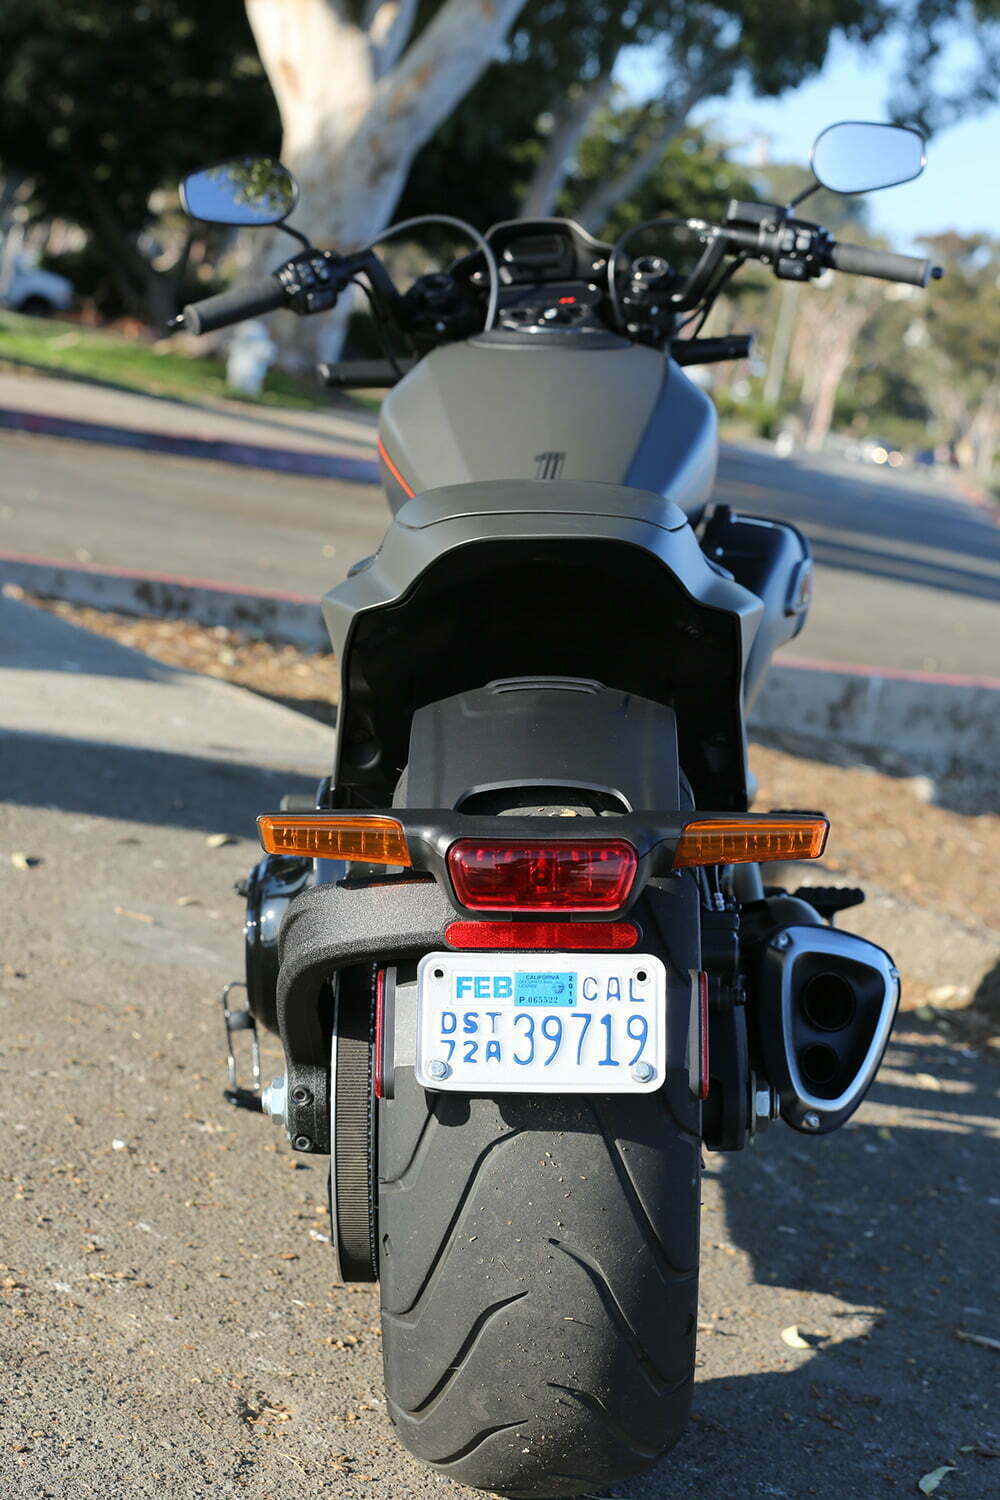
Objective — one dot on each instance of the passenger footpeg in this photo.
(234, 1021)
(826, 1004)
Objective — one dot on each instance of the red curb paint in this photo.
(896, 674)
(100, 570)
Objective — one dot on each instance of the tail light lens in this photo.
(536, 875)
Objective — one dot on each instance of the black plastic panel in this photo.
(556, 732)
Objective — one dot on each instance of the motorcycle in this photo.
(519, 949)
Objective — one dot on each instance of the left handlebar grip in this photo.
(233, 306)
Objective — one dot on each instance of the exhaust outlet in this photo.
(826, 1004)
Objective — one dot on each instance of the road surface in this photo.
(907, 577)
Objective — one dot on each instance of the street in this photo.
(907, 576)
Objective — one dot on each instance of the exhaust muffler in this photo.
(826, 1004)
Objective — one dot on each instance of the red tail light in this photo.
(535, 875)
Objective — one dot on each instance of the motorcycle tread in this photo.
(539, 1268)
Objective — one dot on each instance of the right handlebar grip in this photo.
(860, 261)
(239, 302)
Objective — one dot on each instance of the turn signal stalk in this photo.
(737, 841)
(375, 840)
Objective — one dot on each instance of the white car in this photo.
(30, 290)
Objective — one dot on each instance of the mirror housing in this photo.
(247, 191)
(860, 156)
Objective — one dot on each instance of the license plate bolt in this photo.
(643, 1072)
(437, 1068)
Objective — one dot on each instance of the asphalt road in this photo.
(907, 576)
(169, 1323)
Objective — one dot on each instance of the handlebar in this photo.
(858, 260)
(364, 374)
(261, 296)
(711, 351)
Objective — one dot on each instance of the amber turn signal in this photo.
(738, 841)
(376, 840)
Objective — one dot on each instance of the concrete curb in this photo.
(945, 724)
(294, 618)
(948, 726)
(246, 455)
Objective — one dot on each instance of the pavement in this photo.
(339, 429)
(907, 578)
(169, 1323)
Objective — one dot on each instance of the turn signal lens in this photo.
(536, 875)
(377, 841)
(554, 937)
(738, 841)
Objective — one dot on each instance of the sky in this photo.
(958, 188)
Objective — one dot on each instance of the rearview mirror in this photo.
(858, 156)
(248, 190)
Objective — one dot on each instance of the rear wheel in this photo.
(539, 1263)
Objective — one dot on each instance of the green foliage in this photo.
(695, 175)
(105, 100)
(133, 364)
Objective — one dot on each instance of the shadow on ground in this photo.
(133, 784)
(877, 1244)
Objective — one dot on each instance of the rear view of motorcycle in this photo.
(524, 950)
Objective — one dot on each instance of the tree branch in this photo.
(567, 133)
(389, 24)
(436, 71)
(605, 199)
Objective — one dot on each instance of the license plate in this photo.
(558, 1023)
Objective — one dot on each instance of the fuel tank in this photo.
(556, 404)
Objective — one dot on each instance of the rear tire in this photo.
(539, 1264)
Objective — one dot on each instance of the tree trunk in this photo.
(832, 355)
(560, 148)
(352, 126)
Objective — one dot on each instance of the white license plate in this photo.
(527, 1023)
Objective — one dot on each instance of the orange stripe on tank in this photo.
(397, 476)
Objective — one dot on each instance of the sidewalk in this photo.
(96, 712)
(334, 443)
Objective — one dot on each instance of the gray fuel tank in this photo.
(554, 405)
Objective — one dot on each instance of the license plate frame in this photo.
(536, 986)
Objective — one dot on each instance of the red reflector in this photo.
(703, 1062)
(498, 875)
(566, 301)
(556, 937)
(379, 1043)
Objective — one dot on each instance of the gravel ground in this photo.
(169, 1322)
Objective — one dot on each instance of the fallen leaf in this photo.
(977, 1338)
(927, 1081)
(286, 1255)
(22, 861)
(188, 901)
(135, 916)
(793, 1338)
(930, 1481)
(219, 840)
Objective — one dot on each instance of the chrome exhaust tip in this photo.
(826, 1004)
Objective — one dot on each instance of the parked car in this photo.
(28, 289)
